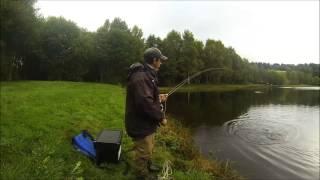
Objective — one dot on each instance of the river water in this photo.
(270, 133)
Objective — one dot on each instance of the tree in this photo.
(100, 45)
(17, 33)
(82, 55)
(57, 49)
(213, 57)
(172, 46)
(59, 38)
(189, 62)
(153, 41)
(118, 47)
(137, 43)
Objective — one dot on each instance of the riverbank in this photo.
(39, 118)
(186, 159)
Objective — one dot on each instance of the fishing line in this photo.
(166, 169)
(188, 79)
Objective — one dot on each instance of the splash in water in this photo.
(261, 132)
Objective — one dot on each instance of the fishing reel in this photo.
(162, 107)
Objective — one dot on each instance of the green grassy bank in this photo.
(38, 120)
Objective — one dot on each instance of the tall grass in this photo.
(187, 160)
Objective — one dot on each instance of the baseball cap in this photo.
(153, 52)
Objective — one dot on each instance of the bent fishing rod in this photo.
(174, 89)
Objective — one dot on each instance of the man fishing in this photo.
(143, 113)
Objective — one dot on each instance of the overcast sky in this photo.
(261, 31)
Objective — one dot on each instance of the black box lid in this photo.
(109, 136)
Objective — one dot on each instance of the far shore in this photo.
(223, 87)
(213, 87)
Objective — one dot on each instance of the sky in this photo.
(260, 31)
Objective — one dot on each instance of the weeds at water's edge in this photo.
(177, 139)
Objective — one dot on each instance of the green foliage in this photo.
(57, 49)
(117, 49)
(18, 29)
(171, 47)
(189, 61)
(278, 77)
(60, 41)
(192, 175)
(153, 41)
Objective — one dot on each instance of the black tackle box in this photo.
(108, 146)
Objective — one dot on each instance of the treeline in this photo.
(35, 48)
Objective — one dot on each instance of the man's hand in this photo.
(163, 122)
(163, 97)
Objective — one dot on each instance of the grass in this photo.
(39, 118)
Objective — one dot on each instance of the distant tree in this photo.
(153, 41)
(293, 77)
(199, 58)
(189, 62)
(59, 39)
(315, 68)
(18, 30)
(172, 47)
(316, 81)
(54, 48)
(82, 55)
(101, 44)
(33, 65)
(137, 43)
(118, 47)
(213, 57)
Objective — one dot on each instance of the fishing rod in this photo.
(174, 89)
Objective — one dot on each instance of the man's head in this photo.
(154, 57)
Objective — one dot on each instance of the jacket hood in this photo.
(135, 68)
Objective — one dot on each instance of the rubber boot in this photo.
(153, 167)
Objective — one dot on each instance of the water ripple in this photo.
(261, 132)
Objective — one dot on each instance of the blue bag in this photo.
(84, 142)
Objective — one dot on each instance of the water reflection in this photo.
(270, 134)
(215, 108)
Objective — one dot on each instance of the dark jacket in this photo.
(143, 112)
